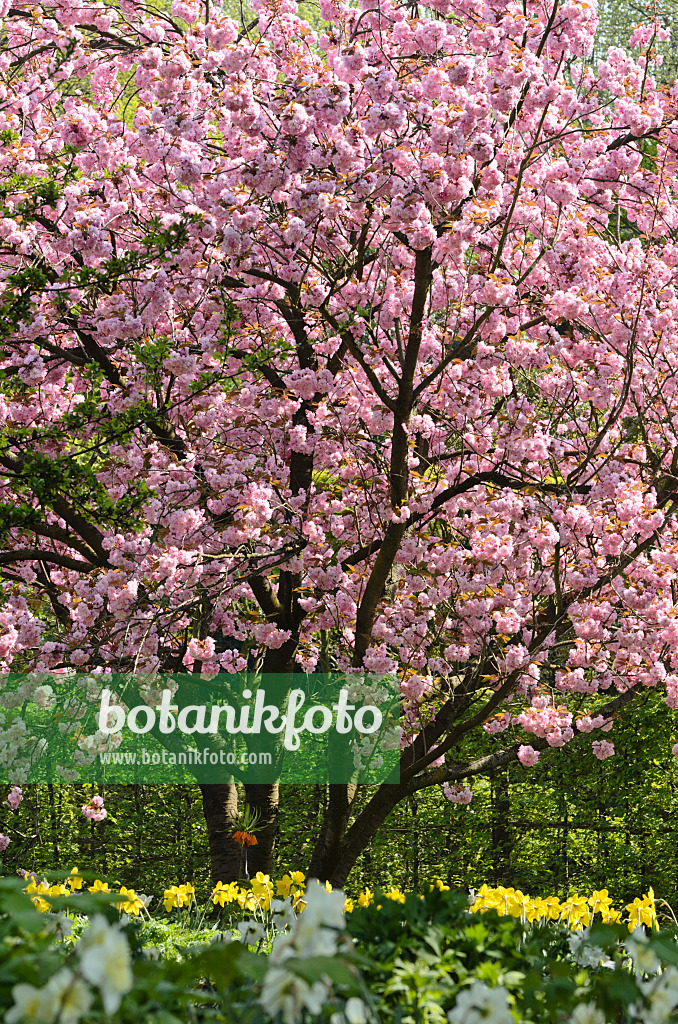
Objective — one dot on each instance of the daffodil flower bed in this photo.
(264, 896)
(437, 957)
(104, 973)
(576, 911)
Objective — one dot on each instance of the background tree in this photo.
(354, 350)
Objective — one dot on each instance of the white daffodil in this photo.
(480, 1004)
(288, 994)
(644, 959)
(317, 928)
(105, 961)
(31, 1006)
(662, 993)
(283, 915)
(356, 1011)
(250, 932)
(587, 1013)
(71, 996)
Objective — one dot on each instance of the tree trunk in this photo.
(263, 799)
(328, 847)
(332, 861)
(502, 840)
(220, 806)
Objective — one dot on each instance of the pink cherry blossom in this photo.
(527, 755)
(14, 798)
(95, 810)
(457, 794)
(346, 319)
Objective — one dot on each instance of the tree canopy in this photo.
(352, 350)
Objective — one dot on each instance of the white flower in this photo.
(662, 993)
(583, 952)
(62, 923)
(283, 914)
(31, 1006)
(44, 697)
(644, 959)
(587, 1013)
(105, 961)
(479, 1004)
(288, 994)
(250, 932)
(316, 929)
(71, 995)
(356, 1011)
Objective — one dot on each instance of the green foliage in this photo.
(421, 956)
(175, 941)
(105, 968)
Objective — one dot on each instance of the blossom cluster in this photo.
(94, 810)
(12, 800)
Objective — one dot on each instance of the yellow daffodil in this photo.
(99, 886)
(600, 902)
(35, 891)
(297, 897)
(130, 902)
(222, 894)
(536, 910)
(171, 898)
(486, 899)
(75, 880)
(642, 911)
(553, 908)
(504, 895)
(395, 894)
(283, 886)
(246, 900)
(186, 894)
(365, 898)
(576, 912)
(58, 890)
(262, 889)
(516, 903)
(178, 896)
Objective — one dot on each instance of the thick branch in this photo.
(34, 555)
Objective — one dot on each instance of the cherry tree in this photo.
(352, 349)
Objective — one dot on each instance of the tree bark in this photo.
(332, 862)
(328, 847)
(502, 839)
(220, 806)
(263, 799)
